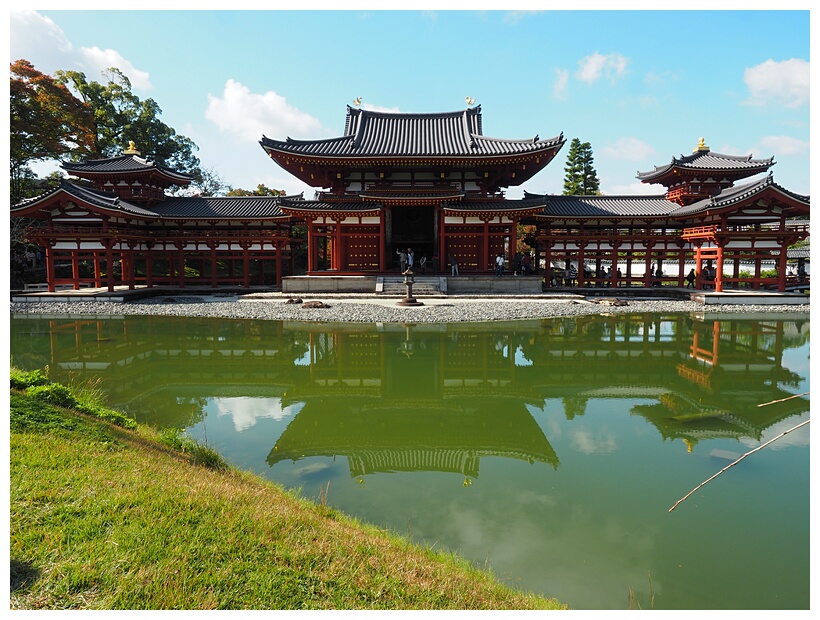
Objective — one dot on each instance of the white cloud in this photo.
(783, 145)
(629, 149)
(246, 115)
(513, 17)
(378, 108)
(559, 86)
(784, 83)
(39, 40)
(594, 67)
(245, 412)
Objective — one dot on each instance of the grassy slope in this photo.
(107, 518)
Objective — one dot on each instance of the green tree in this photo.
(46, 122)
(261, 190)
(580, 179)
(119, 116)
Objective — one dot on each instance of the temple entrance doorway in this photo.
(413, 227)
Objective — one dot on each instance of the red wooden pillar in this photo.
(246, 266)
(109, 268)
(278, 281)
(149, 268)
(719, 270)
(443, 255)
(181, 264)
(581, 248)
(132, 269)
(213, 264)
(97, 271)
(338, 251)
(699, 268)
(382, 243)
(614, 274)
(486, 248)
(50, 267)
(311, 248)
(514, 239)
(75, 270)
(548, 263)
(647, 269)
(681, 267)
(781, 267)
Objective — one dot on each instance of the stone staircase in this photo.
(423, 286)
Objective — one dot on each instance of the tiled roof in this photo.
(105, 200)
(608, 206)
(533, 202)
(220, 207)
(389, 134)
(322, 205)
(738, 193)
(709, 161)
(123, 164)
(410, 194)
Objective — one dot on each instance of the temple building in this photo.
(431, 182)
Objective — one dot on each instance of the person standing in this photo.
(410, 260)
(499, 265)
(402, 260)
(453, 265)
(690, 278)
(423, 264)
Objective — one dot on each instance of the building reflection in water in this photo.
(433, 397)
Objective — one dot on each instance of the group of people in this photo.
(407, 260)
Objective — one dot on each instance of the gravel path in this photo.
(374, 310)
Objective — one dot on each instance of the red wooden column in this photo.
(698, 268)
(486, 249)
(681, 268)
(97, 271)
(443, 258)
(647, 269)
(582, 246)
(149, 267)
(781, 267)
(338, 251)
(212, 247)
(181, 263)
(382, 243)
(719, 270)
(109, 267)
(311, 249)
(278, 281)
(246, 266)
(132, 269)
(50, 267)
(75, 270)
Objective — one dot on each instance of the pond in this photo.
(547, 451)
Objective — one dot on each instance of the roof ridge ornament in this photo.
(131, 150)
(470, 100)
(701, 148)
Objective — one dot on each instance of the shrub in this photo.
(198, 453)
(22, 379)
(54, 393)
(109, 415)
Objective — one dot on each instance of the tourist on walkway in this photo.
(410, 260)
(423, 264)
(499, 265)
(402, 260)
(572, 275)
(690, 278)
(453, 265)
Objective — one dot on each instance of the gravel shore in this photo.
(379, 310)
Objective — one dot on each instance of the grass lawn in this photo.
(106, 517)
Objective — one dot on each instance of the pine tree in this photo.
(580, 179)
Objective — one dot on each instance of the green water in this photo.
(549, 451)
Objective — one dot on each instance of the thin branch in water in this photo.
(760, 447)
(784, 399)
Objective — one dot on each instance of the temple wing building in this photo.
(430, 183)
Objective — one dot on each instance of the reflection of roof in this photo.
(709, 161)
(385, 134)
(436, 438)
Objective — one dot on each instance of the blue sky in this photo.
(640, 86)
